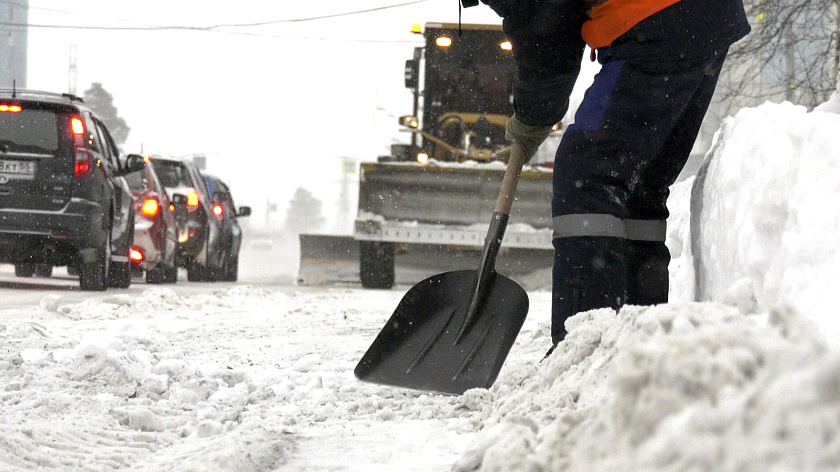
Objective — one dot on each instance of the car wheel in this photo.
(43, 270)
(93, 276)
(156, 275)
(25, 269)
(196, 272)
(217, 272)
(120, 276)
(170, 274)
(232, 269)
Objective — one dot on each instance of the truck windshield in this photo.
(473, 75)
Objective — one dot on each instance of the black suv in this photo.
(199, 234)
(63, 200)
(226, 212)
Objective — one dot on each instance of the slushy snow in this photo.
(739, 372)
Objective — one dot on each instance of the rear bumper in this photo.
(145, 241)
(51, 236)
(193, 248)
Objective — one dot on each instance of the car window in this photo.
(211, 187)
(226, 195)
(93, 138)
(108, 144)
(137, 180)
(31, 130)
(199, 186)
(172, 174)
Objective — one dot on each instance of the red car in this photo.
(155, 248)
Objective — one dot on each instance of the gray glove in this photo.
(530, 137)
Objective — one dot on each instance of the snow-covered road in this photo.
(210, 377)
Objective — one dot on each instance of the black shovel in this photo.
(453, 331)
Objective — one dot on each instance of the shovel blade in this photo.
(418, 348)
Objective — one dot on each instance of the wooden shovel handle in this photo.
(511, 179)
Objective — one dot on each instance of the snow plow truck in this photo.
(424, 208)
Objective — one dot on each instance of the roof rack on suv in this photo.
(17, 91)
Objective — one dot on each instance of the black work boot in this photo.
(589, 273)
(647, 272)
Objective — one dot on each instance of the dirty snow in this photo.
(740, 372)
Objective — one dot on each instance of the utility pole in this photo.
(72, 71)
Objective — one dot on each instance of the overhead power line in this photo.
(214, 28)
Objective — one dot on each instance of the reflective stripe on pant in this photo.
(588, 224)
(632, 135)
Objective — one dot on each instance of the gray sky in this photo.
(287, 96)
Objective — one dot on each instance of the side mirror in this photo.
(412, 72)
(244, 211)
(133, 163)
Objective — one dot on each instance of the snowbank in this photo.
(676, 387)
(771, 212)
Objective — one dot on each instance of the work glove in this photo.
(528, 136)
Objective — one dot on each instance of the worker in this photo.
(631, 137)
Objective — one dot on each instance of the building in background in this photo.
(13, 42)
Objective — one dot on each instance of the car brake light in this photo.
(217, 210)
(150, 207)
(82, 163)
(77, 126)
(10, 108)
(136, 254)
(192, 200)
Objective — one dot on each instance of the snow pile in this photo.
(128, 389)
(750, 383)
(771, 212)
(675, 387)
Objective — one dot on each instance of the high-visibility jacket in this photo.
(610, 19)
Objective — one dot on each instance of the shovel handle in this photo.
(495, 234)
(511, 179)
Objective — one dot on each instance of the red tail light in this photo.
(77, 126)
(82, 164)
(136, 254)
(218, 210)
(150, 207)
(192, 200)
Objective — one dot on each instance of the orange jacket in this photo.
(613, 18)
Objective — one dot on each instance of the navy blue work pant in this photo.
(632, 136)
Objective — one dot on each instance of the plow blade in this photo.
(335, 260)
(328, 260)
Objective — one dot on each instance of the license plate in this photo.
(17, 169)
